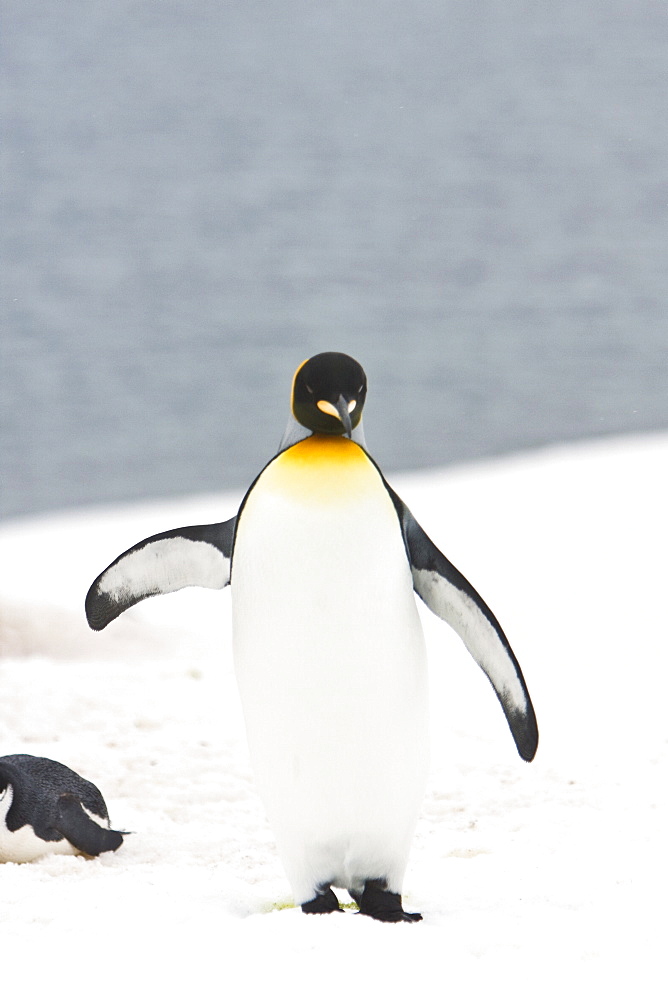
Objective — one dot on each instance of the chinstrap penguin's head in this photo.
(328, 393)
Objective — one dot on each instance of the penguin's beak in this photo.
(342, 409)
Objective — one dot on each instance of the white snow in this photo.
(544, 879)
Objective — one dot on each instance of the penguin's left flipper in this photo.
(84, 833)
(195, 556)
(451, 597)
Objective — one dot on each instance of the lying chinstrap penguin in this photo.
(46, 808)
(324, 559)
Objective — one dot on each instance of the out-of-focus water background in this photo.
(469, 196)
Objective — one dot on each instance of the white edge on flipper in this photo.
(195, 556)
(449, 595)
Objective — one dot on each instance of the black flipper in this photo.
(451, 597)
(83, 832)
(195, 556)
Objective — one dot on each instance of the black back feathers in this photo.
(56, 802)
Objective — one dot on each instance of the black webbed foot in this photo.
(376, 901)
(325, 901)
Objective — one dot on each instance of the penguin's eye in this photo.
(360, 389)
(308, 388)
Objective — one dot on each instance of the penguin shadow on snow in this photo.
(324, 560)
(46, 808)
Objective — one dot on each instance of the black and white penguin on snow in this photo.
(323, 557)
(46, 808)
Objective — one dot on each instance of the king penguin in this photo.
(324, 559)
(47, 808)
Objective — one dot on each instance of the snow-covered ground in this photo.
(533, 879)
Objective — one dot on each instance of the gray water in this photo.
(469, 196)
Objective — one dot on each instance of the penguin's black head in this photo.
(328, 393)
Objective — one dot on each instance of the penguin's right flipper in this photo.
(84, 833)
(195, 556)
(451, 597)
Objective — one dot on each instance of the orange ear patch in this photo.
(294, 379)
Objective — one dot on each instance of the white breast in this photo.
(330, 663)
